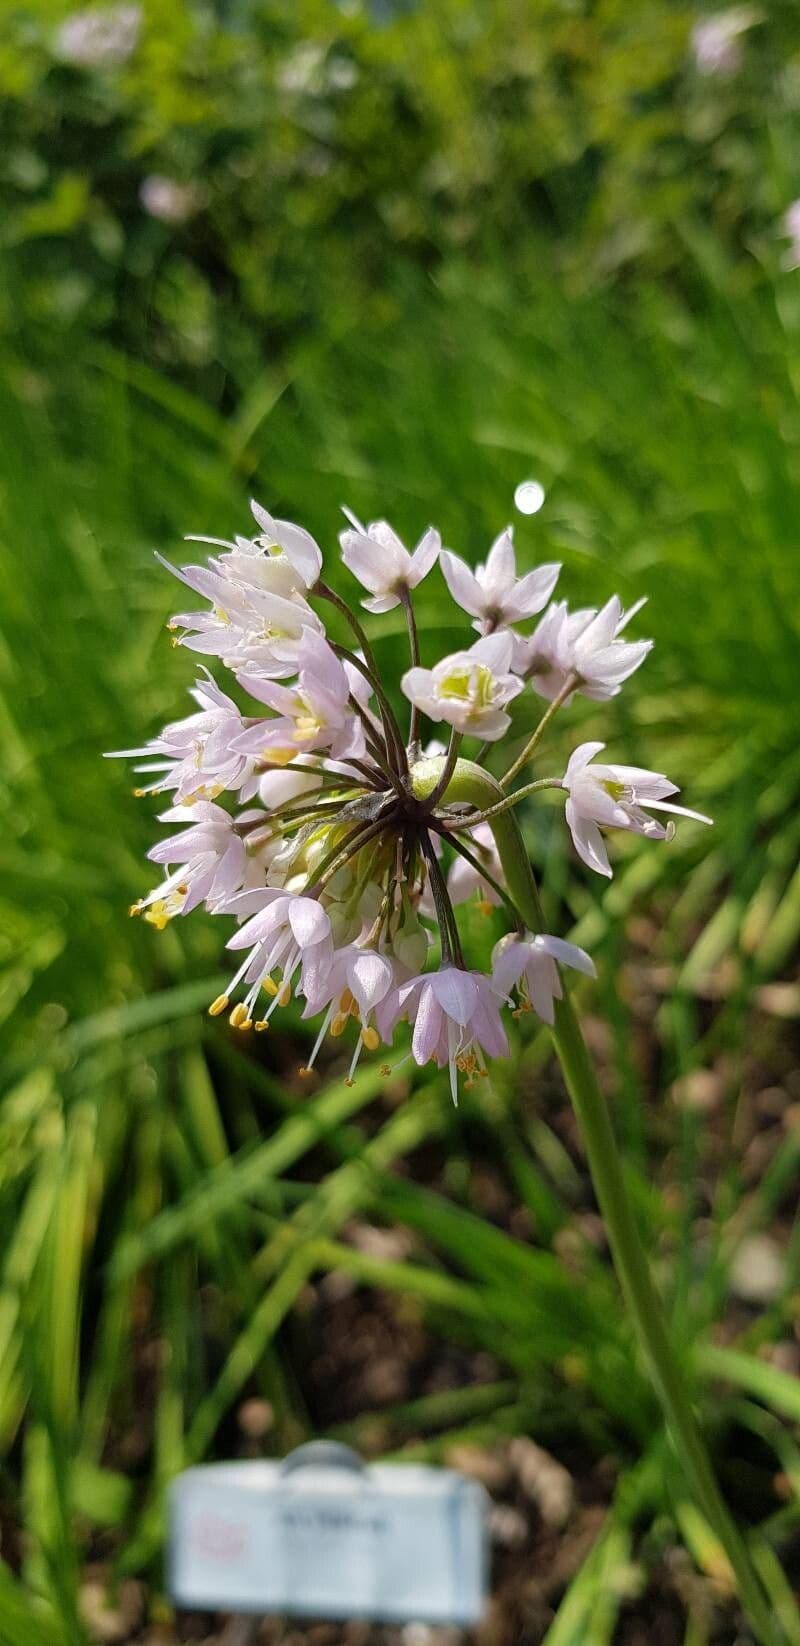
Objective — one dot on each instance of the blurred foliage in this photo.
(317, 144)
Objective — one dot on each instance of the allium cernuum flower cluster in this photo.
(328, 827)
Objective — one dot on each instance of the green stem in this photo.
(470, 783)
(536, 737)
(369, 669)
(413, 646)
(447, 768)
(391, 729)
(472, 819)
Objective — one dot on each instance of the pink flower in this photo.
(168, 200)
(197, 757)
(585, 643)
(715, 40)
(212, 863)
(358, 981)
(469, 689)
(456, 1016)
(287, 933)
(616, 797)
(529, 964)
(383, 564)
(315, 714)
(493, 594)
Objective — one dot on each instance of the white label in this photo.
(394, 1544)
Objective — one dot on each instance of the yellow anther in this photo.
(339, 1024)
(484, 907)
(136, 908)
(158, 915)
(304, 1070)
(269, 987)
(371, 1038)
(217, 1006)
(284, 994)
(137, 793)
(346, 1001)
(238, 1016)
(385, 1069)
(261, 1025)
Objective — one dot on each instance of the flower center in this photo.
(473, 684)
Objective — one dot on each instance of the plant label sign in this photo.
(324, 1535)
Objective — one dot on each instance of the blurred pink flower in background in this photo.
(715, 40)
(99, 38)
(790, 224)
(168, 200)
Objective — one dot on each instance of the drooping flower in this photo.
(197, 757)
(456, 1017)
(615, 796)
(358, 980)
(464, 880)
(212, 863)
(382, 564)
(583, 643)
(528, 964)
(469, 689)
(493, 594)
(286, 933)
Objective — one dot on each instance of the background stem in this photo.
(470, 783)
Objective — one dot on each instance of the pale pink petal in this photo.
(427, 1026)
(462, 583)
(370, 976)
(456, 992)
(495, 651)
(424, 557)
(298, 545)
(508, 963)
(500, 570)
(378, 603)
(580, 758)
(308, 921)
(567, 954)
(533, 591)
(588, 842)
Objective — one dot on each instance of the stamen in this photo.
(218, 1006)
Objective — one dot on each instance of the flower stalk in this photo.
(342, 854)
(470, 783)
